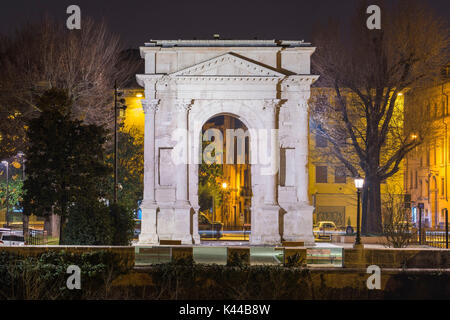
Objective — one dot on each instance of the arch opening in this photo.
(224, 180)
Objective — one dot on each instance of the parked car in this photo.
(137, 228)
(208, 229)
(9, 237)
(324, 229)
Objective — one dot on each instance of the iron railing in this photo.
(36, 237)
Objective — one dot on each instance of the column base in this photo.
(183, 223)
(196, 239)
(297, 224)
(147, 238)
(149, 234)
(265, 229)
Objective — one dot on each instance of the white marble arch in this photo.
(264, 84)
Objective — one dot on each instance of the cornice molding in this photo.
(252, 68)
(306, 79)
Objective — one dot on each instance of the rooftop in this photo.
(227, 43)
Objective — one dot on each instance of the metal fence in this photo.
(436, 238)
(36, 237)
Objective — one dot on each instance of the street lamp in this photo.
(6, 163)
(359, 184)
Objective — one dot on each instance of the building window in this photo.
(434, 154)
(421, 188)
(415, 181)
(442, 186)
(411, 181)
(321, 142)
(321, 174)
(340, 175)
(421, 155)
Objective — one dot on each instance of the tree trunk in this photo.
(61, 223)
(47, 224)
(25, 224)
(373, 222)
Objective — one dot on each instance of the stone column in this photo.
(150, 107)
(302, 153)
(265, 221)
(270, 195)
(183, 211)
(298, 221)
(181, 195)
(149, 207)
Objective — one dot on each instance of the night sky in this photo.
(138, 21)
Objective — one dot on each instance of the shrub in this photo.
(122, 225)
(44, 276)
(89, 224)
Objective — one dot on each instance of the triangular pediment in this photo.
(228, 65)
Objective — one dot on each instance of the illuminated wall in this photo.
(134, 114)
(334, 195)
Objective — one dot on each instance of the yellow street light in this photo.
(139, 95)
(224, 185)
(399, 94)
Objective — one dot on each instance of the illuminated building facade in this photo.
(428, 166)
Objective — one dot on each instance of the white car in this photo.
(11, 238)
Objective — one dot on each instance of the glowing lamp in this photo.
(359, 183)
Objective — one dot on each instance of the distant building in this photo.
(427, 167)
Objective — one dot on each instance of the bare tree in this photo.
(40, 56)
(363, 75)
(396, 218)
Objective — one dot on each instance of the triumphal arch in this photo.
(263, 83)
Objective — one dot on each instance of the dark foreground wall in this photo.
(109, 273)
(269, 282)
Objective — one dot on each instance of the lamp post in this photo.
(224, 187)
(118, 104)
(21, 155)
(6, 163)
(359, 184)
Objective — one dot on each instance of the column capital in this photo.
(150, 105)
(271, 104)
(183, 105)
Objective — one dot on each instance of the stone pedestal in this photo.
(265, 225)
(183, 224)
(149, 233)
(295, 221)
